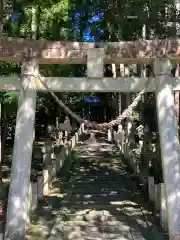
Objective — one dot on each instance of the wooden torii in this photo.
(31, 53)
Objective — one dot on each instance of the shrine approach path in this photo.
(103, 201)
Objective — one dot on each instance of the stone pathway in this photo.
(102, 201)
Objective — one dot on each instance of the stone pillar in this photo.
(29, 205)
(65, 137)
(59, 139)
(38, 162)
(140, 132)
(163, 208)
(34, 192)
(151, 188)
(67, 125)
(92, 138)
(63, 154)
(77, 137)
(110, 135)
(57, 153)
(157, 192)
(17, 211)
(73, 142)
(80, 131)
(147, 150)
(83, 127)
(170, 149)
(40, 186)
(128, 132)
(47, 170)
(120, 137)
(54, 165)
(67, 151)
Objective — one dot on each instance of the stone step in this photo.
(104, 229)
(95, 197)
(91, 181)
(103, 190)
(95, 174)
(98, 201)
(80, 236)
(95, 185)
(104, 224)
(91, 205)
(91, 222)
(111, 212)
(95, 234)
(79, 190)
(109, 185)
(105, 172)
(95, 177)
(100, 177)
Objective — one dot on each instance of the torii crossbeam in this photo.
(59, 52)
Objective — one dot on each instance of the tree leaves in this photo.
(54, 22)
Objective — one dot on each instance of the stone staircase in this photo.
(102, 202)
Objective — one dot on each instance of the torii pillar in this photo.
(169, 143)
(17, 212)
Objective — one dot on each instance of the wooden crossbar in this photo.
(57, 52)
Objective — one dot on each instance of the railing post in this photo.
(59, 138)
(47, 171)
(146, 150)
(110, 135)
(58, 156)
(120, 136)
(73, 142)
(77, 137)
(17, 212)
(65, 137)
(170, 149)
(163, 209)
(80, 129)
(140, 131)
(157, 193)
(34, 192)
(66, 145)
(151, 188)
(53, 157)
(37, 161)
(128, 132)
(83, 127)
(40, 182)
(59, 152)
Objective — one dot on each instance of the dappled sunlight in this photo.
(100, 202)
(101, 205)
(94, 224)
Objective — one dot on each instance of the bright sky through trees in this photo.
(92, 33)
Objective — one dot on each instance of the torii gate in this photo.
(34, 52)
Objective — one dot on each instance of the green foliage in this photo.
(51, 20)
